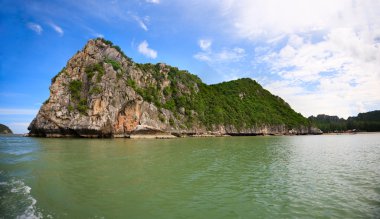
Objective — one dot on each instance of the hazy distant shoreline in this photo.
(349, 133)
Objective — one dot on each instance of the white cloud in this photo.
(5, 111)
(269, 18)
(144, 49)
(35, 27)
(153, 1)
(204, 44)
(56, 28)
(225, 55)
(339, 75)
(142, 22)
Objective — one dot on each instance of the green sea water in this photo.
(329, 176)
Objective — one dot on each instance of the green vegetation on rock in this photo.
(242, 103)
(95, 69)
(95, 90)
(75, 88)
(82, 106)
(115, 64)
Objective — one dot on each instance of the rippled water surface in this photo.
(333, 176)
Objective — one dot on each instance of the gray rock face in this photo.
(98, 94)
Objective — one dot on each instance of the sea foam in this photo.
(19, 203)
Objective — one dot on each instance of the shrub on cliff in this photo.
(115, 64)
(75, 88)
(93, 69)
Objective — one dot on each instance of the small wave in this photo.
(17, 201)
(24, 189)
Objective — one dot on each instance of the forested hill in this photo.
(369, 121)
(244, 103)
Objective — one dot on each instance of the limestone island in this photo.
(102, 93)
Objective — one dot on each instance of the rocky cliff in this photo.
(103, 93)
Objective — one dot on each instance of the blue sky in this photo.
(320, 56)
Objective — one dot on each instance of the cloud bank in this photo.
(144, 49)
(320, 56)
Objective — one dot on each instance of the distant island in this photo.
(5, 129)
(102, 93)
(368, 122)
